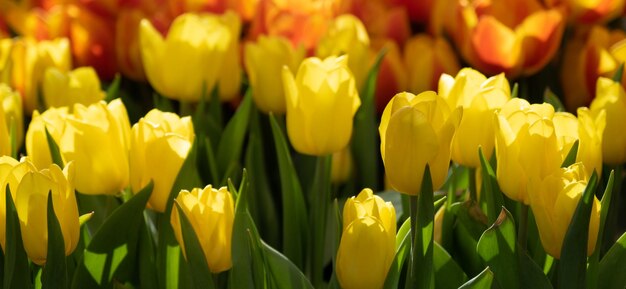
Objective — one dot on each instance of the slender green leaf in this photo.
(573, 263)
(55, 153)
(490, 190)
(113, 90)
(497, 247)
(403, 250)
(617, 77)
(551, 98)
(194, 255)
(470, 225)
(231, 143)
(611, 270)
(484, 280)
(531, 274)
(365, 136)
(422, 272)
(594, 260)
(54, 273)
(284, 273)
(16, 271)
(448, 274)
(515, 90)
(570, 159)
(147, 258)
(294, 211)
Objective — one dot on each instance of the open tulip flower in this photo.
(80, 85)
(611, 98)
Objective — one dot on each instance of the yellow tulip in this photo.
(341, 166)
(229, 75)
(347, 35)
(13, 112)
(160, 142)
(367, 246)
(31, 202)
(526, 146)
(610, 97)
(264, 62)
(480, 98)
(6, 44)
(80, 85)
(93, 137)
(553, 206)
(416, 130)
(211, 213)
(426, 58)
(321, 103)
(189, 59)
(7, 164)
(587, 130)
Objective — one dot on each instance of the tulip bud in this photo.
(321, 103)
(367, 246)
(610, 97)
(590, 131)
(480, 98)
(426, 58)
(417, 123)
(264, 63)
(7, 164)
(160, 143)
(341, 167)
(211, 213)
(53, 119)
(347, 35)
(80, 85)
(189, 59)
(10, 116)
(554, 203)
(229, 75)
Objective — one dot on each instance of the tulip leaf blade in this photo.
(194, 255)
(553, 99)
(484, 280)
(16, 269)
(365, 137)
(284, 273)
(113, 90)
(54, 273)
(490, 189)
(610, 273)
(294, 210)
(403, 250)
(110, 254)
(594, 260)
(421, 273)
(497, 247)
(471, 223)
(617, 76)
(231, 142)
(448, 274)
(55, 152)
(570, 159)
(573, 263)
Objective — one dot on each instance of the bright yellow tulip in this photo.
(416, 130)
(426, 58)
(341, 166)
(610, 97)
(553, 206)
(80, 85)
(367, 246)
(321, 103)
(587, 130)
(480, 98)
(37, 147)
(211, 213)
(13, 112)
(160, 143)
(229, 75)
(264, 62)
(7, 164)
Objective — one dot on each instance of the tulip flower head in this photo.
(80, 85)
(611, 98)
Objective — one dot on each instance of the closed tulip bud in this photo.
(526, 146)
(10, 117)
(590, 131)
(417, 123)
(367, 246)
(31, 203)
(7, 164)
(160, 143)
(321, 103)
(229, 76)
(480, 98)
(189, 59)
(426, 58)
(211, 213)
(554, 204)
(347, 35)
(341, 167)
(53, 119)
(264, 63)
(80, 85)
(610, 97)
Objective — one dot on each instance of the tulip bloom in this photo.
(341, 166)
(189, 59)
(347, 35)
(610, 97)
(80, 85)
(7, 164)
(516, 37)
(526, 146)
(417, 123)
(587, 130)
(211, 213)
(160, 143)
(590, 12)
(95, 138)
(554, 202)
(321, 103)
(264, 63)
(425, 59)
(382, 19)
(480, 98)
(11, 115)
(367, 246)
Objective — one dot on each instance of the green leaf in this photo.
(403, 250)
(16, 270)
(594, 260)
(573, 263)
(114, 89)
(295, 222)
(448, 274)
(365, 137)
(422, 273)
(484, 280)
(54, 273)
(55, 153)
(470, 222)
(497, 248)
(200, 272)
(515, 90)
(611, 270)
(147, 258)
(284, 274)
(110, 256)
(207, 118)
(231, 143)
(570, 159)
(617, 77)
(490, 191)
(551, 98)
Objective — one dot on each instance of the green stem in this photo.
(472, 185)
(413, 211)
(611, 224)
(320, 191)
(522, 233)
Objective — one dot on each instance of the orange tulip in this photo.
(426, 58)
(381, 19)
(590, 12)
